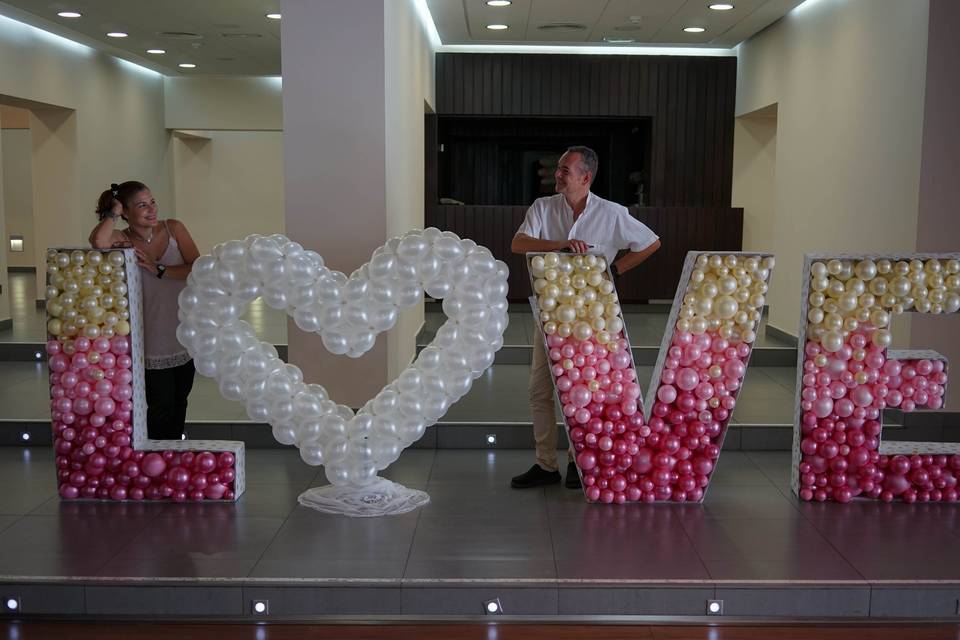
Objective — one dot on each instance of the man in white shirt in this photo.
(574, 220)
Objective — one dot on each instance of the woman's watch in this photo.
(161, 270)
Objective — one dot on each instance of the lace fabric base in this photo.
(167, 362)
(380, 498)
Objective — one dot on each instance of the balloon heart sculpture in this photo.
(348, 313)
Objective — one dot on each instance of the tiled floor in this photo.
(749, 528)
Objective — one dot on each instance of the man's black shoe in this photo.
(573, 478)
(537, 476)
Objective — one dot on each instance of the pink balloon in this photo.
(105, 406)
(586, 460)
(667, 394)
(59, 362)
(120, 345)
(823, 407)
(620, 359)
(734, 368)
(580, 395)
(153, 465)
(178, 477)
(687, 379)
(205, 462)
(79, 361)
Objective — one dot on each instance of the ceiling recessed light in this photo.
(70, 14)
(616, 40)
(497, 27)
(694, 29)
(116, 34)
(274, 16)
(499, 3)
(157, 52)
(187, 65)
(721, 6)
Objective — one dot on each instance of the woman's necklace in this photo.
(146, 239)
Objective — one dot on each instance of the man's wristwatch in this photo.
(161, 270)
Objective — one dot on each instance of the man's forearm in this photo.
(522, 243)
(633, 258)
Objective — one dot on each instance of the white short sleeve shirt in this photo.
(605, 225)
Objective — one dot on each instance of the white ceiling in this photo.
(233, 37)
(648, 22)
(216, 51)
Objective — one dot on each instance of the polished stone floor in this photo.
(749, 527)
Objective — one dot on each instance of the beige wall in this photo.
(227, 184)
(107, 125)
(14, 118)
(346, 203)
(754, 175)
(242, 104)
(848, 77)
(938, 223)
(226, 156)
(18, 193)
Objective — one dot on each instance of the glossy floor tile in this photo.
(749, 528)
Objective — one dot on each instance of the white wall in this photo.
(754, 176)
(938, 223)
(227, 184)
(349, 183)
(108, 126)
(18, 194)
(4, 281)
(409, 83)
(848, 77)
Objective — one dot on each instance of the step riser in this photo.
(515, 435)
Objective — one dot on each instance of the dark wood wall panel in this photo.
(681, 229)
(689, 99)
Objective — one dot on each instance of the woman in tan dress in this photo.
(165, 252)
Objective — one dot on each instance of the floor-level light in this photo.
(491, 439)
(714, 607)
(260, 607)
(11, 603)
(492, 607)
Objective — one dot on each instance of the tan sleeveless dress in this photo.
(160, 304)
